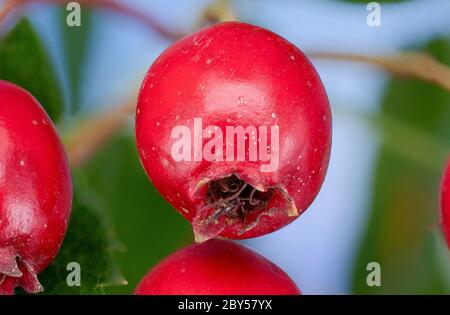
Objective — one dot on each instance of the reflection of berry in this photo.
(445, 204)
(265, 169)
(35, 190)
(216, 267)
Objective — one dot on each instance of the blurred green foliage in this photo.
(148, 227)
(403, 235)
(90, 241)
(24, 61)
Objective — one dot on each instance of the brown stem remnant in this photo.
(234, 198)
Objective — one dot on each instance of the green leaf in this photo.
(403, 222)
(146, 224)
(75, 41)
(24, 61)
(90, 241)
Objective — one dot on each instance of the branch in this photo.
(146, 19)
(112, 5)
(9, 6)
(411, 64)
(93, 133)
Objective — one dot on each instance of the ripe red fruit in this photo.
(216, 267)
(35, 190)
(233, 128)
(445, 204)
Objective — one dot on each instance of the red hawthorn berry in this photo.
(35, 190)
(233, 128)
(445, 204)
(216, 267)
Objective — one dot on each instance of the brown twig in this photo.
(112, 5)
(146, 19)
(411, 64)
(91, 134)
(8, 7)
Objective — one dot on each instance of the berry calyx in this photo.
(445, 204)
(233, 128)
(216, 267)
(35, 190)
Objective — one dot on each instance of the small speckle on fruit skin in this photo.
(236, 74)
(445, 204)
(216, 267)
(35, 189)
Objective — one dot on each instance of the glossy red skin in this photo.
(445, 204)
(35, 189)
(236, 74)
(216, 267)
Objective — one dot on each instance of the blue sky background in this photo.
(317, 250)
